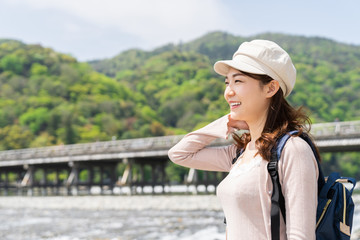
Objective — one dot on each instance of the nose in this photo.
(230, 92)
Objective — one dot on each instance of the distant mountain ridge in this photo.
(221, 45)
(324, 67)
(49, 98)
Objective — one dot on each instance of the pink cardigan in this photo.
(298, 174)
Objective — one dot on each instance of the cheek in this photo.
(251, 98)
(243, 92)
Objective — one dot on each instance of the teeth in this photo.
(235, 104)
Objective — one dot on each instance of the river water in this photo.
(116, 218)
(66, 224)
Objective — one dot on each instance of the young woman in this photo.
(258, 78)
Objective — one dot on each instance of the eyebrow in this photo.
(235, 75)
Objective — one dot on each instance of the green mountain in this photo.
(327, 81)
(49, 98)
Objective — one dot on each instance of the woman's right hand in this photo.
(235, 125)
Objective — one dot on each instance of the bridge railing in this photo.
(335, 129)
(127, 145)
(319, 131)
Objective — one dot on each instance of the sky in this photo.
(98, 29)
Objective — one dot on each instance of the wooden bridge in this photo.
(20, 170)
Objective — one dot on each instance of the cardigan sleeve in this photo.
(191, 150)
(298, 178)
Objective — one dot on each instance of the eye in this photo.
(226, 83)
(238, 81)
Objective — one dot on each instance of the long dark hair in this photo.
(281, 118)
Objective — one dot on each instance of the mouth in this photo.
(234, 105)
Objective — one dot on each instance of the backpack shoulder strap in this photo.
(239, 151)
(277, 198)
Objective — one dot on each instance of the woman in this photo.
(258, 78)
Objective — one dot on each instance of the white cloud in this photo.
(155, 21)
(91, 29)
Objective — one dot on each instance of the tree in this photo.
(15, 137)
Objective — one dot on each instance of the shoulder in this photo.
(297, 152)
(297, 144)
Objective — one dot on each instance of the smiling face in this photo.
(247, 97)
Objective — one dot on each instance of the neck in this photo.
(256, 126)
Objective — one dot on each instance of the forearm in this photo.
(192, 152)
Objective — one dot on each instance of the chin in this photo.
(237, 116)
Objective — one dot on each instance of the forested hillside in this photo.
(49, 98)
(328, 78)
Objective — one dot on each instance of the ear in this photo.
(271, 88)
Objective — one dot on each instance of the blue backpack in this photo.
(335, 207)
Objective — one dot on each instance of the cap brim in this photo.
(223, 67)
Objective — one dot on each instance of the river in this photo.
(51, 224)
(116, 218)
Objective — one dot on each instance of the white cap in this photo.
(262, 57)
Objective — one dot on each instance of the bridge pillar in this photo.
(73, 179)
(57, 182)
(205, 180)
(125, 178)
(142, 178)
(28, 180)
(91, 178)
(76, 178)
(1, 181)
(192, 178)
(101, 179)
(113, 178)
(18, 183)
(163, 176)
(153, 177)
(131, 185)
(44, 182)
(6, 183)
(128, 176)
